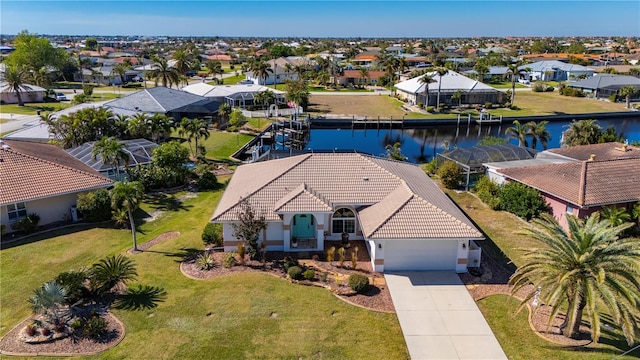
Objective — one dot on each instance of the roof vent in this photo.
(365, 178)
(6, 147)
(623, 148)
(592, 157)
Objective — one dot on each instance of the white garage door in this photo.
(420, 255)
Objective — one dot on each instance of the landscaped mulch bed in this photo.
(13, 344)
(377, 298)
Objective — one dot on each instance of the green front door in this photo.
(303, 226)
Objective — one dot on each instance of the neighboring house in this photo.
(140, 152)
(555, 71)
(583, 179)
(605, 85)
(473, 91)
(162, 100)
(495, 72)
(406, 221)
(32, 93)
(223, 58)
(354, 77)
(42, 179)
(365, 59)
(241, 95)
(279, 71)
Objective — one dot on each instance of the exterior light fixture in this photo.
(464, 245)
(379, 246)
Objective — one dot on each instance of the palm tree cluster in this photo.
(537, 131)
(194, 129)
(585, 270)
(92, 124)
(164, 73)
(111, 152)
(586, 132)
(17, 78)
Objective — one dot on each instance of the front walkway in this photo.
(438, 317)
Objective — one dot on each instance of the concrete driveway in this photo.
(438, 317)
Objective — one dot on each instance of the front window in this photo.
(16, 211)
(344, 220)
(569, 209)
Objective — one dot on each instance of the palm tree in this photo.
(128, 195)
(481, 70)
(518, 131)
(137, 126)
(159, 124)
(615, 215)
(265, 98)
(323, 77)
(49, 300)
(112, 152)
(121, 70)
(583, 132)
(538, 132)
(183, 62)
(16, 78)
(426, 79)
(224, 111)
(162, 71)
(111, 271)
(512, 72)
(364, 74)
(402, 66)
(214, 68)
(441, 71)
(628, 92)
(261, 70)
(193, 129)
(587, 268)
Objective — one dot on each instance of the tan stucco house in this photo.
(407, 222)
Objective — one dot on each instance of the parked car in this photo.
(61, 97)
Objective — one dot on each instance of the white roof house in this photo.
(241, 95)
(474, 91)
(407, 222)
(554, 70)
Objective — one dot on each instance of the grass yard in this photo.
(506, 85)
(530, 103)
(221, 145)
(32, 108)
(518, 341)
(239, 316)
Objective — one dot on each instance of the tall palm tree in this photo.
(193, 129)
(224, 111)
(121, 69)
(261, 70)
(16, 78)
(111, 151)
(364, 74)
(426, 79)
(583, 132)
(111, 271)
(183, 62)
(628, 92)
(481, 70)
(538, 132)
(587, 268)
(513, 70)
(214, 68)
(127, 195)
(162, 71)
(159, 125)
(440, 71)
(265, 98)
(518, 131)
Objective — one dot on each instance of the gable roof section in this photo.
(325, 182)
(584, 183)
(602, 81)
(26, 177)
(604, 151)
(542, 66)
(155, 100)
(49, 153)
(302, 199)
(452, 81)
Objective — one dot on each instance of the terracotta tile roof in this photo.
(50, 153)
(399, 193)
(584, 183)
(25, 177)
(605, 151)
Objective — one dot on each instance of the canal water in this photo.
(421, 145)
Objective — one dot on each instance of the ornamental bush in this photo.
(488, 191)
(295, 272)
(359, 283)
(27, 225)
(212, 235)
(309, 274)
(450, 175)
(522, 200)
(95, 206)
(207, 181)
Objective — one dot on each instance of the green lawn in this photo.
(221, 144)
(240, 316)
(324, 89)
(232, 80)
(32, 108)
(506, 85)
(519, 342)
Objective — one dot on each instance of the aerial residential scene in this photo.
(320, 179)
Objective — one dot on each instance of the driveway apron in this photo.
(438, 317)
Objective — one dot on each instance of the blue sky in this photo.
(320, 18)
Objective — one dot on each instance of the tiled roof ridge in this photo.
(311, 191)
(56, 164)
(247, 196)
(396, 210)
(154, 99)
(368, 159)
(455, 219)
(582, 189)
